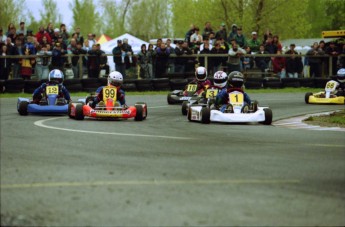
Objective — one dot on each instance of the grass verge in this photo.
(335, 119)
(249, 91)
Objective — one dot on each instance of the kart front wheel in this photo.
(139, 114)
(144, 105)
(205, 115)
(184, 107)
(268, 116)
(170, 100)
(69, 110)
(189, 114)
(23, 108)
(306, 98)
(79, 115)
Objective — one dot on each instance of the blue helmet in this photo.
(341, 75)
(56, 76)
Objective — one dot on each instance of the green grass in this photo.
(249, 91)
(334, 119)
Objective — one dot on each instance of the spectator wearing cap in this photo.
(294, 65)
(333, 51)
(17, 49)
(118, 57)
(41, 33)
(76, 60)
(58, 59)
(22, 29)
(254, 42)
(232, 33)
(222, 33)
(240, 38)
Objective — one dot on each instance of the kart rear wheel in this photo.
(170, 100)
(79, 115)
(189, 114)
(69, 110)
(205, 115)
(139, 115)
(306, 98)
(268, 116)
(144, 108)
(184, 107)
(23, 108)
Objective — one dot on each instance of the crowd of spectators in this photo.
(50, 45)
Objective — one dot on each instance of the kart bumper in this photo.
(337, 100)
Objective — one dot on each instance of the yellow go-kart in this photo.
(328, 96)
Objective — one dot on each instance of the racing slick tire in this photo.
(139, 115)
(144, 108)
(79, 115)
(254, 106)
(170, 100)
(268, 116)
(306, 97)
(23, 108)
(184, 107)
(205, 115)
(189, 114)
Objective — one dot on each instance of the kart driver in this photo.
(341, 81)
(235, 83)
(200, 80)
(55, 77)
(115, 79)
(219, 79)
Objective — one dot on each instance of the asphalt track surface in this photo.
(166, 171)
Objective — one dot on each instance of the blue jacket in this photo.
(63, 92)
(223, 96)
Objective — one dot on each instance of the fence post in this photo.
(80, 67)
(330, 66)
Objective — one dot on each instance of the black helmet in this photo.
(236, 79)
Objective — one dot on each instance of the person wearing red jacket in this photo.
(200, 80)
(279, 65)
(42, 33)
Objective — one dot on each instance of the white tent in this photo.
(132, 40)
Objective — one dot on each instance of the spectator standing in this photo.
(324, 66)
(26, 65)
(77, 60)
(94, 62)
(332, 50)
(9, 28)
(189, 33)
(50, 29)
(151, 50)
(22, 29)
(232, 33)
(2, 37)
(162, 57)
(42, 33)
(145, 62)
(118, 58)
(221, 33)
(182, 49)
(128, 52)
(235, 54)
(12, 33)
(90, 41)
(43, 62)
(240, 38)
(294, 64)
(70, 48)
(17, 49)
(276, 43)
(195, 40)
(80, 37)
(254, 42)
(217, 62)
(266, 35)
(279, 65)
(247, 62)
(103, 59)
(269, 46)
(171, 61)
(205, 50)
(64, 34)
(313, 61)
(58, 59)
(55, 36)
(262, 62)
(5, 63)
(207, 30)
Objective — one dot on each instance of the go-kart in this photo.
(49, 104)
(236, 111)
(325, 97)
(179, 96)
(108, 108)
(205, 98)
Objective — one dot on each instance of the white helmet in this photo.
(220, 78)
(115, 78)
(341, 75)
(56, 76)
(201, 73)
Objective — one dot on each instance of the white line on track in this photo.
(40, 123)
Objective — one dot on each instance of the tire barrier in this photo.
(144, 85)
(178, 84)
(14, 85)
(90, 84)
(272, 82)
(290, 82)
(129, 85)
(2, 86)
(161, 84)
(73, 85)
(254, 83)
(320, 82)
(31, 85)
(307, 82)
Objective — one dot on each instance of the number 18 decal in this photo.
(192, 87)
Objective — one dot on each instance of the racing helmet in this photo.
(236, 79)
(115, 78)
(201, 73)
(220, 78)
(341, 75)
(56, 76)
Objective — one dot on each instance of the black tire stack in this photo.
(31, 85)
(272, 82)
(73, 85)
(291, 82)
(178, 84)
(14, 85)
(91, 84)
(161, 84)
(129, 85)
(144, 85)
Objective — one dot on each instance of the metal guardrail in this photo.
(196, 56)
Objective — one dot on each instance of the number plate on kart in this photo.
(52, 90)
(236, 99)
(331, 86)
(109, 93)
(192, 87)
(211, 93)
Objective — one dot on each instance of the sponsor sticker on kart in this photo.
(195, 115)
(52, 90)
(112, 111)
(185, 98)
